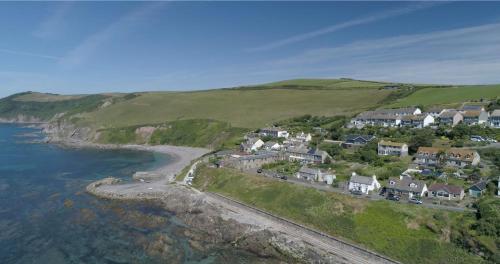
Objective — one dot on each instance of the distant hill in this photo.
(245, 107)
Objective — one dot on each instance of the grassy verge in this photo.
(404, 232)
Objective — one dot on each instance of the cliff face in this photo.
(62, 130)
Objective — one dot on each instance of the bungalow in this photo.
(251, 145)
(454, 157)
(305, 155)
(475, 117)
(274, 132)
(363, 184)
(477, 189)
(450, 118)
(494, 120)
(386, 148)
(418, 121)
(354, 140)
(272, 145)
(405, 185)
(445, 191)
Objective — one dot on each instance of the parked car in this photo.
(415, 200)
(477, 139)
(259, 171)
(356, 192)
(393, 197)
(490, 140)
(382, 191)
(284, 177)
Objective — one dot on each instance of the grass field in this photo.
(327, 83)
(44, 97)
(450, 95)
(404, 232)
(242, 108)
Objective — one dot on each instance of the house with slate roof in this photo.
(417, 121)
(446, 192)
(494, 119)
(405, 185)
(274, 132)
(435, 111)
(454, 157)
(355, 140)
(450, 118)
(478, 189)
(363, 184)
(475, 117)
(251, 145)
(307, 155)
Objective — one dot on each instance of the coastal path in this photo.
(348, 252)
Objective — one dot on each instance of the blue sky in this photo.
(82, 47)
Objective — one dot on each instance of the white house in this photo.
(251, 145)
(386, 148)
(363, 184)
(304, 137)
(272, 145)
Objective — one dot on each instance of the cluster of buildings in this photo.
(406, 186)
(414, 117)
(254, 152)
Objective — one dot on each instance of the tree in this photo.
(422, 138)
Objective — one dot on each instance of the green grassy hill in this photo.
(448, 95)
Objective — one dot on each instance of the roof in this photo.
(472, 107)
(480, 186)
(448, 188)
(414, 117)
(259, 156)
(456, 153)
(462, 154)
(272, 129)
(353, 137)
(471, 113)
(270, 143)
(378, 115)
(429, 150)
(308, 170)
(407, 184)
(407, 110)
(252, 141)
(449, 114)
(495, 113)
(392, 144)
(361, 179)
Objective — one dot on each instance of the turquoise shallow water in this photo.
(46, 217)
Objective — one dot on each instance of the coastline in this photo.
(213, 220)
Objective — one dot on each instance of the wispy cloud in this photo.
(341, 26)
(86, 49)
(463, 55)
(29, 54)
(55, 22)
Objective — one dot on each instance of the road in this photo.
(373, 196)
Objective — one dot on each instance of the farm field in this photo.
(448, 95)
(240, 107)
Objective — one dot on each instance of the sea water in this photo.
(46, 216)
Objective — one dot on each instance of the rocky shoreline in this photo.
(211, 223)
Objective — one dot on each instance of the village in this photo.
(380, 164)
